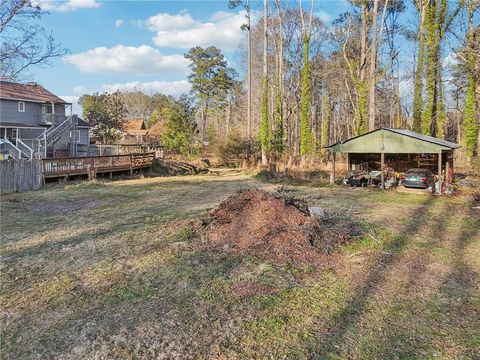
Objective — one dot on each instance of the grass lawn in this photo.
(107, 270)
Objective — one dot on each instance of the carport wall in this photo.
(398, 141)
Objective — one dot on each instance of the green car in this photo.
(418, 178)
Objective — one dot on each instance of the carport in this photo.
(398, 148)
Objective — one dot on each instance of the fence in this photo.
(18, 175)
(124, 149)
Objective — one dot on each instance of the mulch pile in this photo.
(270, 227)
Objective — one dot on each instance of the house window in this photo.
(77, 137)
(14, 134)
(21, 106)
(47, 109)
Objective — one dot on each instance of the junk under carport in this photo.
(397, 149)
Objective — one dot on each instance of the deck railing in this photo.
(56, 167)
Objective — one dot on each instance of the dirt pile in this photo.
(267, 226)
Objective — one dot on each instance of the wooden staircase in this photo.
(8, 147)
(47, 140)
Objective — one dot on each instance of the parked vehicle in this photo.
(418, 178)
(356, 178)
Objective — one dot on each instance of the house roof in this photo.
(137, 132)
(83, 123)
(8, 124)
(132, 125)
(28, 92)
(157, 129)
(389, 140)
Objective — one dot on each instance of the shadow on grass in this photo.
(344, 322)
(414, 320)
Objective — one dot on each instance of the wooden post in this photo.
(131, 163)
(382, 161)
(440, 172)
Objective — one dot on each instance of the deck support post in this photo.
(440, 172)
(382, 162)
(131, 164)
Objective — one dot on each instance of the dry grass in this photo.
(106, 270)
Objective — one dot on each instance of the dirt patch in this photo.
(270, 227)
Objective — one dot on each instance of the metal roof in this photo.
(390, 140)
(422, 137)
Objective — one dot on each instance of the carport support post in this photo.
(382, 176)
(440, 172)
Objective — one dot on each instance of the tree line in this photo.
(307, 83)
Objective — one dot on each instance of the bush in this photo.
(237, 151)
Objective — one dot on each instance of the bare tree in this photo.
(24, 41)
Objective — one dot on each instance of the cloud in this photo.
(167, 22)
(118, 23)
(181, 31)
(70, 5)
(76, 109)
(80, 90)
(324, 16)
(128, 60)
(174, 88)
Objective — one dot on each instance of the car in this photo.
(356, 178)
(418, 178)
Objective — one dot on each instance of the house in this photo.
(134, 131)
(33, 123)
(154, 135)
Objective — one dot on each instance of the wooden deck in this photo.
(68, 166)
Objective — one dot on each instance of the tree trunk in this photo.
(430, 112)
(373, 69)
(418, 87)
(469, 121)
(249, 74)
(305, 133)
(265, 126)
